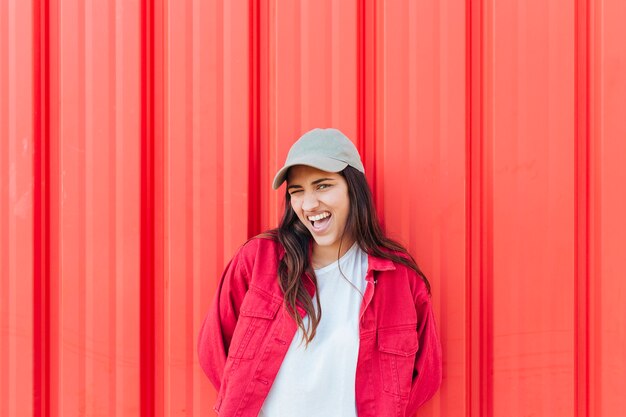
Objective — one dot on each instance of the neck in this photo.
(325, 255)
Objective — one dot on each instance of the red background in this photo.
(138, 143)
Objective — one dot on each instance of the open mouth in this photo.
(320, 222)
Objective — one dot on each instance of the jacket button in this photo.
(281, 342)
(263, 381)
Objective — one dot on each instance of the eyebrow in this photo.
(313, 183)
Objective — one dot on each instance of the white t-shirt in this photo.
(319, 381)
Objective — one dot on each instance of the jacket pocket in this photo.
(255, 316)
(397, 349)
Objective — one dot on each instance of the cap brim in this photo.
(323, 163)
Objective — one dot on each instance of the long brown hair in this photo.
(362, 225)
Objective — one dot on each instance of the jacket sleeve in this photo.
(219, 324)
(428, 362)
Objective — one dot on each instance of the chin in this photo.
(325, 240)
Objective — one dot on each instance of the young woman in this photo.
(323, 316)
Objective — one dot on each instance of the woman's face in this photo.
(321, 202)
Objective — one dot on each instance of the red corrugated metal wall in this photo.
(139, 139)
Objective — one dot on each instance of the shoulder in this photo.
(415, 281)
(258, 259)
(259, 250)
(260, 243)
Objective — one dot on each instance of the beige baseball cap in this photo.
(325, 149)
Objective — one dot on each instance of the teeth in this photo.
(319, 217)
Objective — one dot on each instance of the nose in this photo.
(309, 202)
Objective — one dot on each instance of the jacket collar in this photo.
(374, 263)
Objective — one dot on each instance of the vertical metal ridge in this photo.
(480, 239)
(475, 128)
(468, 207)
(360, 76)
(377, 142)
(486, 229)
(600, 56)
(366, 91)
(160, 125)
(81, 203)
(297, 15)
(581, 210)
(360, 82)
(41, 221)
(254, 133)
(328, 69)
(189, 202)
(220, 160)
(147, 314)
(53, 209)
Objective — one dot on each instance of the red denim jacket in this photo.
(248, 330)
